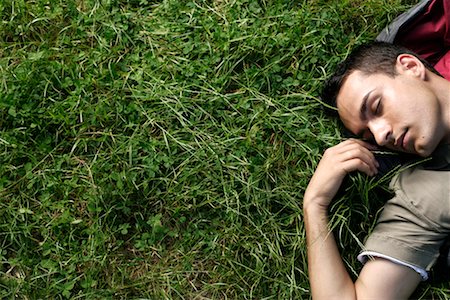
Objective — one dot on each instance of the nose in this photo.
(381, 131)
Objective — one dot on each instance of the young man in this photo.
(385, 94)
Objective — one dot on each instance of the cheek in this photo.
(412, 108)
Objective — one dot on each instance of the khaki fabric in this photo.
(416, 222)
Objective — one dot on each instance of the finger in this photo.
(362, 153)
(362, 143)
(355, 147)
(357, 164)
(366, 161)
(348, 151)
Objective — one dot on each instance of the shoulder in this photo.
(428, 179)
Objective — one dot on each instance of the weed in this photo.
(160, 149)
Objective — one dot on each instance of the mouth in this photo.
(401, 142)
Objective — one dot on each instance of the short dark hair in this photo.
(372, 58)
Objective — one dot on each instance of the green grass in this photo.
(160, 149)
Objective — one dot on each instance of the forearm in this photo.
(328, 276)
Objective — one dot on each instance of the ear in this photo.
(411, 65)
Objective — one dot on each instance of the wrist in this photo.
(315, 206)
(316, 218)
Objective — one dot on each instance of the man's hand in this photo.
(327, 273)
(348, 156)
(328, 276)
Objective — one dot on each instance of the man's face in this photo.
(400, 113)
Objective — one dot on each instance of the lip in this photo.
(401, 142)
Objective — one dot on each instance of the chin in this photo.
(425, 151)
(424, 154)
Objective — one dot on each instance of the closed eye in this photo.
(378, 107)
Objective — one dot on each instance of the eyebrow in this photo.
(363, 109)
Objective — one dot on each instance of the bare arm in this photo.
(329, 278)
(327, 274)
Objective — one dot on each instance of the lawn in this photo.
(161, 149)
